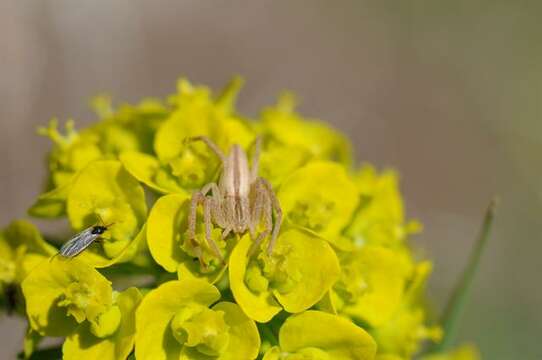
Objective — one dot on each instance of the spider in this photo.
(240, 202)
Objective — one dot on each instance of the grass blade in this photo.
(457, 301)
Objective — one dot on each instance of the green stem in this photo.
(267, 334)
(457, 301)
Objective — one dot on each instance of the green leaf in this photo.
(49, 353)
(457, 301)
(30, 342)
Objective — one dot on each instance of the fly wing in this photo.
(78, 243)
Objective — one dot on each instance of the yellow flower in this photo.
(104, 190)
(405, 331)
(111, 335)
(176, 320)
(295, 277)
(372, 283)
(380, 218)
(21, 249)
(321, 197)
(315, 335)
(61, 293)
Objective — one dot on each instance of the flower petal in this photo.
(260, 307)
(146, 168)
(164, 232)
(59, 287)
(316, 264)
(106, 190)
(319, 196)
(244, 338)
(154, 339)
(84, 345)
(337, 336)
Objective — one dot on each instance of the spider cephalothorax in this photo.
(240, 202)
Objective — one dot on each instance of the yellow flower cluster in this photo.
(341, 282)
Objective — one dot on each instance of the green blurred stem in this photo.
(457, 301)
(267, 334)
(50, 353)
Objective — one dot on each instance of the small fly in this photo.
(82, 240)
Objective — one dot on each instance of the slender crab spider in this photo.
(240, 202)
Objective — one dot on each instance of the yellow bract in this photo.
(320, 197)
(282, 123)
(380, 219)
(21, 249)
(166, 236)
(61, 292)
(464, 352)
(104, 190)
(113, 338)
(343, 246)
(175, 321)
(321, 336)
(403, 333)
(300, 271)
(372, 284)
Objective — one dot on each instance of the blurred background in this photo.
(447, 92)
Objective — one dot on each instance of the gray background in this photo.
(447, 92)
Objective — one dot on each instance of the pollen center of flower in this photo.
(7, 271)
(314, 214)
(201, 328)
(254, 278)
(77, 298)
(189, 169)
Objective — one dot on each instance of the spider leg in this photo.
(256, 213)
(217, 210)
(207, 206)
(278, 214)
(199, 255)
(228, 208)
(211, 146)
(197, 198)
(245, 218)
(256, 158)
(265, 206)
(226, 232)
